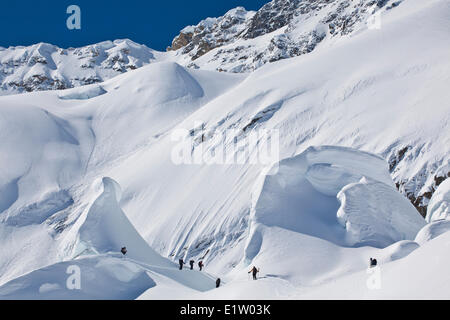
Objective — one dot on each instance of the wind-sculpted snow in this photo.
(439, 205)
(97, 269)
(339, 195)
(101, 277)
(432, 230)
(35, 141)
(107, 229)
(375, 214)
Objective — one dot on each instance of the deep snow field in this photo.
(86, 171)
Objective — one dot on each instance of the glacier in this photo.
(360, 121)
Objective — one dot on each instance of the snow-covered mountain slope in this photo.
(145, 275)
(238, 41)
(407, 271)
(54, 148)
(242, 41)
(385, 96)
(46, 67)
(426, 265)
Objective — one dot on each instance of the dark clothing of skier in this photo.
(181, 262)
(373, 262)
(200, 265)
(123, 250)
(218, 282)
(254, 271)
(191, 263)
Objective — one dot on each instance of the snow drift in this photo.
(439, 206)
(337, 194)
(100, 278)
(107, 229)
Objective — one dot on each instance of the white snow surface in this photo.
(89, 170)
(439, 205)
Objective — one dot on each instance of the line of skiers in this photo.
(254, 271)
(191, 263)
(200, 266)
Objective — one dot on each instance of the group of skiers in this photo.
(200, 266)
(181, 262)
(254, 271)
(191, 263)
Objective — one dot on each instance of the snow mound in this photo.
(375, 214)
(107, 229)
(336, 194)
(101, 277)
(432, 230)
(398, 250)
(161, 82)
(439, 205)
(83, 93)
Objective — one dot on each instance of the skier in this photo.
(200, 265)
(373, 262)
(181, 262)
(124, 250)
(191, 263)
(254, 271)
(217, 282)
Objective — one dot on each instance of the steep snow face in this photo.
(376, 214)
(106, 229)
(439, 205)
(280, 29)
(335, 194)
(432, 230)
(45, 67)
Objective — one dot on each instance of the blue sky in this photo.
(153, 23)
